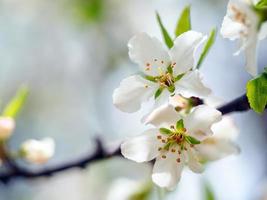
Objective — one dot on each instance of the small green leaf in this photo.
(165, 131)
(257, 93)
(184, 22)
(180, 124)
(165, 34)
(192, 140)
(208, 193)
(16, 104)
(158, 93)
(207, 47)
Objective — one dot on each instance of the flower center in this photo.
(175, 140)
(166, 80)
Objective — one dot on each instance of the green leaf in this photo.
(192, 140)
(158, 93)
(184, 22)
(165, 131)
(16, 104)
(207, 47)
(208, 193)
(257, 93)
(261, 4)
(165, 34)
(180, 124)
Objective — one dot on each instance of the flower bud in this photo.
(38, 151)
(7, 126)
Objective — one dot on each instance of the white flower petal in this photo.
(191, 85)
(251, 57)
(198, 123)
(231, 29)
(162, 98)
(193, 161)
(38, 151)
(167, 172)
(263, 31)
(149, 53)
(163, 116)
(132, 91)
(220, 144)
(216, 148)
(225, 129)
(182, 53)
(7, 126)
(141, 148)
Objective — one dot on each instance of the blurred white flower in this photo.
(38, 151)
(7, 125)
(128, 189)
(164, 72)
(243, 22)
(173, 142)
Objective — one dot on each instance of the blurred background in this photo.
(73, 54)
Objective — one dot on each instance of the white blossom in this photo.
(164, 71)
(173, 142)
(219, 145)
(38, 151)
(7, 125)
(242, 22)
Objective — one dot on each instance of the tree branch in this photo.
(239, 104)
(100, 153)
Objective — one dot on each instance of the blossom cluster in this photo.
(187, 129)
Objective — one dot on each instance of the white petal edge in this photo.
(132, 92)
(167, 172)
(251, 57)
(193, 161)
(142, 148)
(263, 31)
(225, 129)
